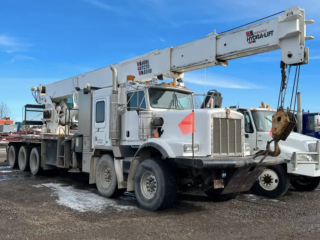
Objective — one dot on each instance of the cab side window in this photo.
(248, 127)
(247, 123)
(136, 101)
(311, 123)
(100, 111)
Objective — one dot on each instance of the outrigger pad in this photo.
(282, 124)
(243, 180)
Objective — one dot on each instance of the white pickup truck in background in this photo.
(301, 154)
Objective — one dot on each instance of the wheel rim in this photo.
(106, 176)
(22, 160)
(33, 163)
(269, 180)
(304, 181)
(148, 185)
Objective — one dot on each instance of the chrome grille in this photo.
(226, 136)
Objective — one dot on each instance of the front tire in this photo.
(155, 185)
(23, 158)
(305, 183)
(12, 156)
(35, 161)
(273, 182)
(106, 178)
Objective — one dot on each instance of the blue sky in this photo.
(42, 41)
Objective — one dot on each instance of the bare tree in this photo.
(4, 110)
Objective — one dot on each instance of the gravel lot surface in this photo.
(64, 206)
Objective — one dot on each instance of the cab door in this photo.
(100, 121)
(136, 103)
(250, 131)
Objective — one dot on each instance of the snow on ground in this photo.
(4, 167)
(5, 178)
(82, 200)
(253, 197)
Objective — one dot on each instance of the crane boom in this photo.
(286, 32)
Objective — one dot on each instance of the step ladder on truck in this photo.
(130, 132)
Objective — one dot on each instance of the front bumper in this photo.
(227, 162)
(241, 172)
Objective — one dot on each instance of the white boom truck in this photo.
(301, 154)
(131, 133)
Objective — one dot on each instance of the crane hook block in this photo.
(282, 124)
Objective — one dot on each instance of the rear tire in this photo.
(273, 182)
(23, 158)
(106, 178)
(305, 183)
(155, 185)
(35, 161)
(12, 156)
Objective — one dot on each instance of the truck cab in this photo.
(301, 154)
(311, 124)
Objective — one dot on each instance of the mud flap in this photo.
(242, 180)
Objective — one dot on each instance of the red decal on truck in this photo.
(187, 124)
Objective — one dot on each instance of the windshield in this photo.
(170, 99)
(263, 120)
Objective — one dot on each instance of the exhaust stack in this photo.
(114, 127)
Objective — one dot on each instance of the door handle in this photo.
(246, 135)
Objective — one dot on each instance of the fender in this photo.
(161, 145)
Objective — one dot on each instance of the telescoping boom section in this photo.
(286, 32)
(131, 132)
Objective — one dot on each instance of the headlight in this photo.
(304, 158)
(310, 146)
(187, 148)
(247, 149)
